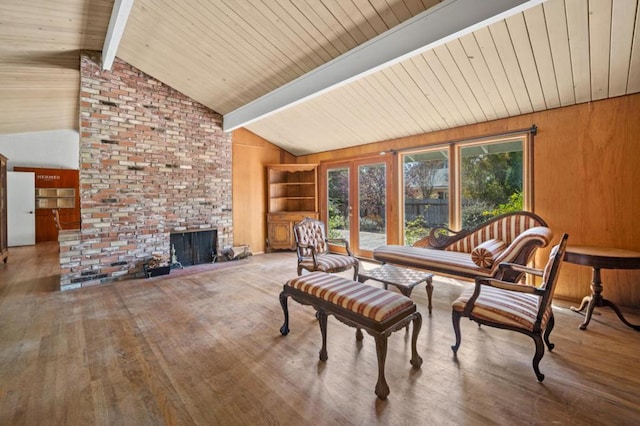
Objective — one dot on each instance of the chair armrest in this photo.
(342, 241)
(503, 267)
(337, 240)
(504, 285)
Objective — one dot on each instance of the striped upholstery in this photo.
(329, 262)
(513, 306)
(312, 248)
(506, 229)
(485, 253)
(368, 301)
(504, 307)
(459, 263)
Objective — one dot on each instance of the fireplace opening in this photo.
(194, 247)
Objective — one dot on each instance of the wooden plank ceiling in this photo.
(227, 53)
(40, 42)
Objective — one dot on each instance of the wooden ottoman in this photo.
(380, 312)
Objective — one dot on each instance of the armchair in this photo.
(514, 306)
(312, 248)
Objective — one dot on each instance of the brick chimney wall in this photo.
(152, 161)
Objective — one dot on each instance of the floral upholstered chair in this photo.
(513, 306)
(312, 247)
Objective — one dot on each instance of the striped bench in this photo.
(380, 312)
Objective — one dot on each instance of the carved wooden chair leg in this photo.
(382, 388)
(538, 356)
(299, 271)
(356, 268)
(547, 332)
(416, 360)
(284, 330)
(455, 318)
(322, 320)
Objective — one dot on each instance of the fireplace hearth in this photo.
(194, 247)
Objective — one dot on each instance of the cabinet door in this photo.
(280, 235)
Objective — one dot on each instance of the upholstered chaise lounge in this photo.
(512, 238)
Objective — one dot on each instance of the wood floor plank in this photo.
(202, 346)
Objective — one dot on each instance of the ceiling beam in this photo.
(117, 24)
(446, 21)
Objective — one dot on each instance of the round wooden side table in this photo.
(601, 258)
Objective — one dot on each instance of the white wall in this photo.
(58, 149)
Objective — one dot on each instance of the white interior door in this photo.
(21, 206)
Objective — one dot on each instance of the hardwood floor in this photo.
(202, 346)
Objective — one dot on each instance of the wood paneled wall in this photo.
(251, 154)
(586, 180)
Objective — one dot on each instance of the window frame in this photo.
(455, 157)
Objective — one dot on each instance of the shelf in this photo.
(292, 196)
(55, 193)
(55, 198)
(55, 203)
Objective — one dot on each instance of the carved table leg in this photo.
(284, 330)
(596, 297)
(382, 388)
(416, 360)
(610, 304)
(597, 301)
(592, 304)
(430, 292)
(591, 301)
(406, 291)
(583, 304)
(322, 320)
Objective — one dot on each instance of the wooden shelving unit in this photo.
(292, 196)
(55, 198)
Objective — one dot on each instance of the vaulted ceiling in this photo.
(228, 53)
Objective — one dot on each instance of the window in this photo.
(464, 184)
(491, 180)
(338, 201)
(426, 192)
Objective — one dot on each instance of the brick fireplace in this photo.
(152, 162)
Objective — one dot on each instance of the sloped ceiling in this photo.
(40, 41)
(227, 53)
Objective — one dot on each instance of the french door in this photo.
(357, 206)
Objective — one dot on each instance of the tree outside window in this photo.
(491, 178)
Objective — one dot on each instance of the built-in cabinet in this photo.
(56, 189)
(292, 196)
(4, 242)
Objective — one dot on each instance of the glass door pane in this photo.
(426, 193)
(372, 206)
(338, 203)
(491, 180)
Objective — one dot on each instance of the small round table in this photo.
(601, 258)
